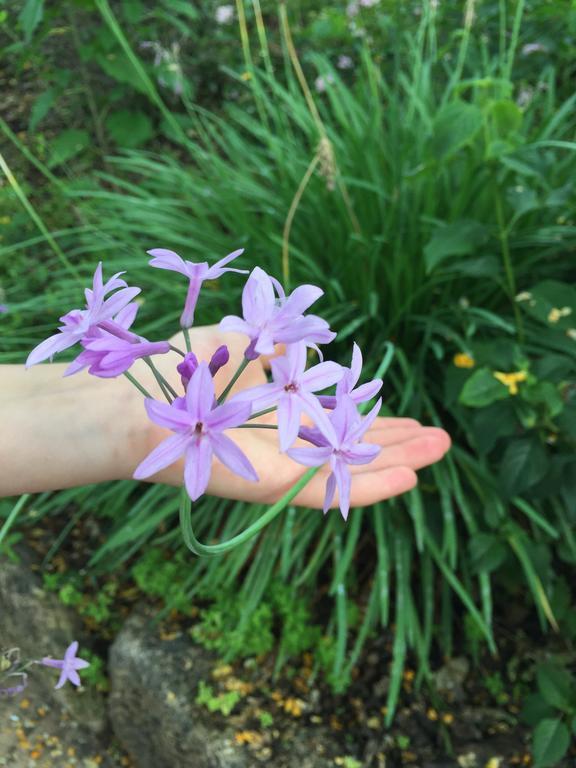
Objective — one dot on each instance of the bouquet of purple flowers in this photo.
(198, 416)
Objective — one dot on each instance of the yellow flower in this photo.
(555, 314)
(511, 380)
(246, 76)
(462, 360)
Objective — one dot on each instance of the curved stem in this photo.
(219, 549)
(137, 384)
(164, 385)
(12, 516)
(233, 380)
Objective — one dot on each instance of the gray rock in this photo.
(39, 625)
(154, 684)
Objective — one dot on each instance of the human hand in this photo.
(406, 444)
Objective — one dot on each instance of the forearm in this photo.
(62, 432)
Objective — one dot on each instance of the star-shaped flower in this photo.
(269, 320)
(199, 427)
(69, 665)
(196, 274)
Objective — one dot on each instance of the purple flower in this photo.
(14, 690)
(190, 362)
(199, 427)
(346, 449)
(111, 349)
(292, 389)
(79, 322)
(269, 320)
(69, 665)
(196, 273)
(3, 309)
(346, 385)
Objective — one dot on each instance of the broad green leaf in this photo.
(487, 552)
(118, 67)
(460, 238)
(41, 107)
(492, 422)
(455, 126)
(544, 393)
(534, 709)
(523, 199)
(523, 464)
(506, 118)
(551, 742)
(129, 129)
(482, 389)
(30, 16)
(556, 685)
(67, 145)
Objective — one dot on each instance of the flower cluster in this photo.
(14, 677)
(198, 419)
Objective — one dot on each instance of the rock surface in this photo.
(154, 684)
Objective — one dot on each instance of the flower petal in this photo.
(115, 303)
(71, 652)
(330, 488)
(361, 453)
(289, 411)
(165, 259)
(167, 416)
(228, 415)
(198, 467)
(313, 408)
(74, 677)
(169, 451)
(51, 346)
(200, 393)
(366, 391)
(231, 456)
(301, 298)
(321, 376)
(344, 482)
(310, 457)
(359, 432)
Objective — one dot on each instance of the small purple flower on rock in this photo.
(349, 428)
(78, 323)
(196, 274)
(69, 665)
(199, 427)
(268, 320)
(347, 384)
(292, 389)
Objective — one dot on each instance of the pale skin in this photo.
(65, 432)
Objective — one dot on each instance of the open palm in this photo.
(406, 445)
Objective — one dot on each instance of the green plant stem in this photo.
(162, 383)
(137, 384)
(178, 351)
(507, 261)
(263, 413)
(186, 332)
(219, 549)
(31, 211)
(233, 380)
(11, 519)
(258, 426)
(43, 169)
(290, 217)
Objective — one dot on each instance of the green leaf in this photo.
(544, 393)
(67, 145)
(487, 552)
(30, 16)
(506, 118)
(118, 67)
(460, 238)
(42, 105)
(129, 129)
(482, 389)
(454, 127)
(523, 464)
(535, 709)
(552, 303)
(556, 685)
(491, 423)
(551, 742)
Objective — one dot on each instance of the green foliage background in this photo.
(428, 188)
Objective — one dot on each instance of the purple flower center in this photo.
(292, 387)
(199, 429)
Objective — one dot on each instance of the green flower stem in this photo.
(186, 332)
(178, 351)
(11, 519)
(137, 384)
(233, 380)
(262, 413)
(163, 384)
(219, 549)
(258, 426)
